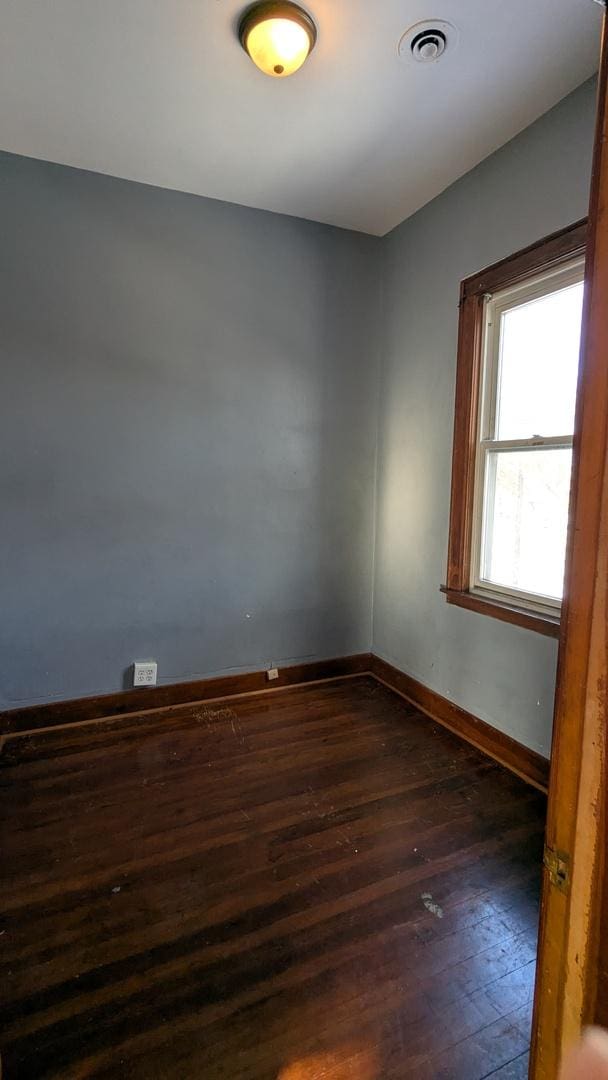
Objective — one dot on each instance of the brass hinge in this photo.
(558, 865)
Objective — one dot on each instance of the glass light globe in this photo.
(278, 37)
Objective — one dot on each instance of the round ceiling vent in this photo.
(426, 42)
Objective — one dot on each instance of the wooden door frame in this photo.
(575, 860)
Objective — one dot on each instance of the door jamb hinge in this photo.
(558, 867)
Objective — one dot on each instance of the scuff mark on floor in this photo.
(430, 905)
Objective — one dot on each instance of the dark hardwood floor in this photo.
(317, 884)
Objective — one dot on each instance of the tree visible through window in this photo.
(516, 390)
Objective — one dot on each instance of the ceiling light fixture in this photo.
(278, 36)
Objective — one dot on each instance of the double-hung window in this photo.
(516, 390)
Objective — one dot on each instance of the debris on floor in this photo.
(430, 905)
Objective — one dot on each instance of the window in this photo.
(518, 352)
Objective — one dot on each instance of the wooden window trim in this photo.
(544, 255)
(517, 616)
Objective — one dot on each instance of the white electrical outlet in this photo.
(272, 674)
(144, 673)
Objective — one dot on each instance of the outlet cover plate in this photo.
(144, 673)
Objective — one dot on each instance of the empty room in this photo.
(304, 540)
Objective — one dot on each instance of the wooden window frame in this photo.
(545, 255)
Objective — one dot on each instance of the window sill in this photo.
(531, 620)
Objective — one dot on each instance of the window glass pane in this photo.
(525, 519)
(539, 344)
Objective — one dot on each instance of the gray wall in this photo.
(532, 186)
(187, 442)
(189, 404)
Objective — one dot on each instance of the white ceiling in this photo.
(160, 91)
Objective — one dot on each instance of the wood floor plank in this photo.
(318, 883)
(513, 1070)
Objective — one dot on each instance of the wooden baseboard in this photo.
(529, 765)
(76, 710)
(526, 763)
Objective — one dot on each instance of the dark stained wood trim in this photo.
(125, 702)
(526, 763)
(544, 255)
(530, 620)
(466, 406)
